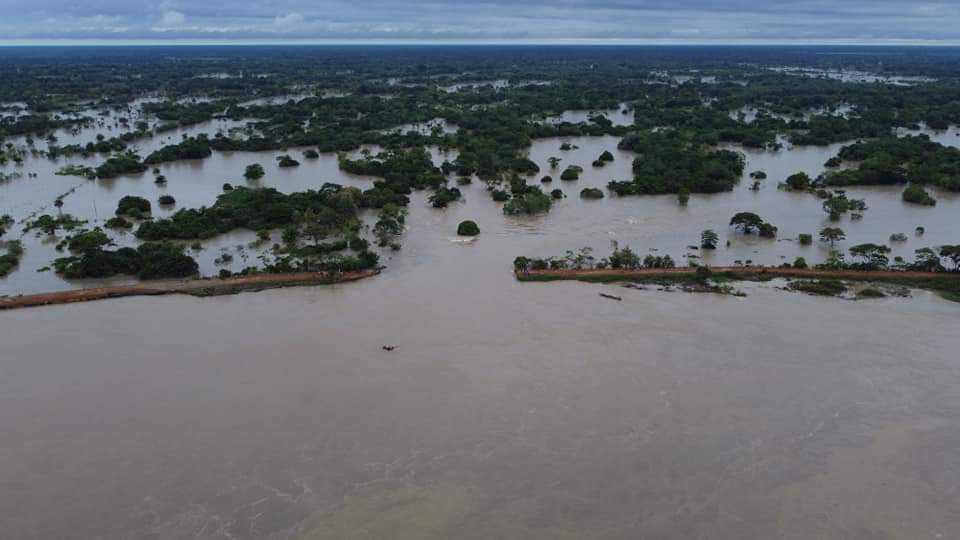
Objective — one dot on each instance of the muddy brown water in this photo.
(506, 409)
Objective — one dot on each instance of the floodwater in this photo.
(622, 116)
(507, 409)
(654, 224)
(853, 76)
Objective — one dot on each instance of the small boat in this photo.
(611, 297)
(389, 347)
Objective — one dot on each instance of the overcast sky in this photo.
(737, 21)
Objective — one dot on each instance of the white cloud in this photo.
(172, 18)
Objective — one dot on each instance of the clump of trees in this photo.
(253, 171)
(526, 199)
(605, 157)
(151, 260)
(871, 256)
(133, 206)
(120, 164)
(748, 222)
(50, 224)
(583, 259)
(915, 194)
(389, 224)
(670, 160)
(799, 181)
(896, 160)
(190, 148)
(286, 161)
(334, 206)
(444, 196)
(10, 259)
(837, 203)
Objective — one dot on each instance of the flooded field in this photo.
(647, 224)
(506, 409)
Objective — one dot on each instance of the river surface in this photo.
(507, 409)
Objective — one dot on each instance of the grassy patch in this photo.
(871, 292)
(821, 287)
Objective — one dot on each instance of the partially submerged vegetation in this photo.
(677, 128)
(670, 161)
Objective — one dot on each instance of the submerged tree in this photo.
(952, 253)
(746, 222)
(874, 256)
(832, 235)
(254, 172)
(709, 239)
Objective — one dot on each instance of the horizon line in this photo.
(593, 42)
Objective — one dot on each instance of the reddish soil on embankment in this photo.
(194, 287)
(733, 271)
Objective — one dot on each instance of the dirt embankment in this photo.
(194, 287)
(732, 271)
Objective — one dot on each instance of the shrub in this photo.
(767, 230)
(166, 200)
(254, 172)
(444, 196)
(118, 222)
(132, 205)
(709, 239)
(556, 194)
(532, 201)
(468, 228)
(591, 193)
(287, 161)
(359, 244)
(805, 239)
(570, 173)
(915, 194)
(799, 181)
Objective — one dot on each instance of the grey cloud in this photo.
(483, 20)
